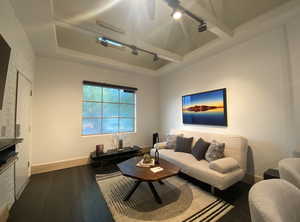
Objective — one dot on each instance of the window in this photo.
(107, 109)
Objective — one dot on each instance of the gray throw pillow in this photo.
(171, 141)
(215, 151)
(184, 144)
(200, 149)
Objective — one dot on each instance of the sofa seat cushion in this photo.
(160, 145)
(177, 158)
(200, 169)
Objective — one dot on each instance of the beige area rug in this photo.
(182, 201)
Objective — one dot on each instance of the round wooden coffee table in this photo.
(128, 168)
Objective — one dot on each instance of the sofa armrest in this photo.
(224, 165)
(161, 145)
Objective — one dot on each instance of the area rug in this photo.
(182, 201)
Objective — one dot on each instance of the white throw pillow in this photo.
(224, 165)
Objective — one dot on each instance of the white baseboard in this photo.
(4, 213)
(47, 167)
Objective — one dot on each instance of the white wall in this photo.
(57, 109)
(294, 46)
(256, 74)
(14, 34)
(22, 59)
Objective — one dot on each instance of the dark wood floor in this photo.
(72, 195)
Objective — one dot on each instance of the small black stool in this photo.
(271, 174)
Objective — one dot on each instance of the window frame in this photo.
(109, 86)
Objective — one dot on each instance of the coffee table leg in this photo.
(157, 198)
(160, 182)
(136, 184)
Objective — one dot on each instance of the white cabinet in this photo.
(23, 122)
(7, 193)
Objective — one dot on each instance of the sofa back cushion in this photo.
(235, 146)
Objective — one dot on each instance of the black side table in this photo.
(271, 174)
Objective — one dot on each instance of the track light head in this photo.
(103, 41)
(202, 27)
(173, 3)
(178, 10)
(134, 50)
(176, 14)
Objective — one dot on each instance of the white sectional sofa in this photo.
(236, 147)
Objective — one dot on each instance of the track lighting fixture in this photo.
(173, 3)
(134, 50)
(103, 41)
(179, 11)
(155, 58)
(202, 26)
(106, 42)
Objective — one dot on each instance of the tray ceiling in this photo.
(72, 24)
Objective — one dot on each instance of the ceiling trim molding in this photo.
(162, 53)
(87, 59)
(276, 17)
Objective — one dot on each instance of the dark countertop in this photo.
(8, 142)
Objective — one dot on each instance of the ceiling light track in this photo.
(134, 49)
(179, 10)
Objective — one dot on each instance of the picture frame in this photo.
(205, 108)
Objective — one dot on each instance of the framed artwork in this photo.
(205, 108)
